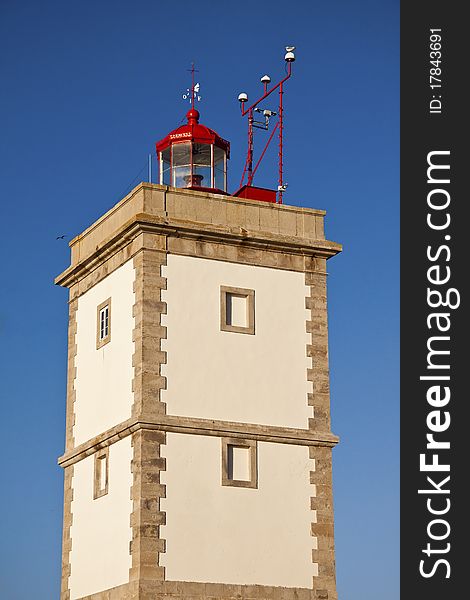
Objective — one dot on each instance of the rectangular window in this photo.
(237, 310)
(103, 326)
(104, 322)
(239, 463)
(100, 483)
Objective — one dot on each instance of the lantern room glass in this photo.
(189, 164)
(202, 165)
(165, 167)
(220, 169)
(180, 164)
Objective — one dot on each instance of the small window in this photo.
(237, 310)
(104, 322)
(100, 484)
(103, 325)
(239, 463)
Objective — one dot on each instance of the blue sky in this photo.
(87, 90)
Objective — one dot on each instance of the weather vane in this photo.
(192, 93)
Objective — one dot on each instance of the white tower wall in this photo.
(101, 530)
(237, 535)
(214, 374)
(103, 383)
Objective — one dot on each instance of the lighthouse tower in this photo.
(198, 442)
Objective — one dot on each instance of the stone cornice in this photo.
(172, 227)
(147, 188)
(194, 426)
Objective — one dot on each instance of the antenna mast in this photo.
(248, 169)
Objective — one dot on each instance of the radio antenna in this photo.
(248, 170)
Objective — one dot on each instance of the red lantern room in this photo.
(194, 156)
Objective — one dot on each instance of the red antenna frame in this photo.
(248, 169)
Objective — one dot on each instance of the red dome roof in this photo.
(193, 131)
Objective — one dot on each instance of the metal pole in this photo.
(281, 126)
(150, 168)
(192, 85)
(250, 148)
(265, 148)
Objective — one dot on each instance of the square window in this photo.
(239, 463)
(103, 323)
(237, 310)
(100, 479)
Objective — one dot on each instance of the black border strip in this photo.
(433, 267)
